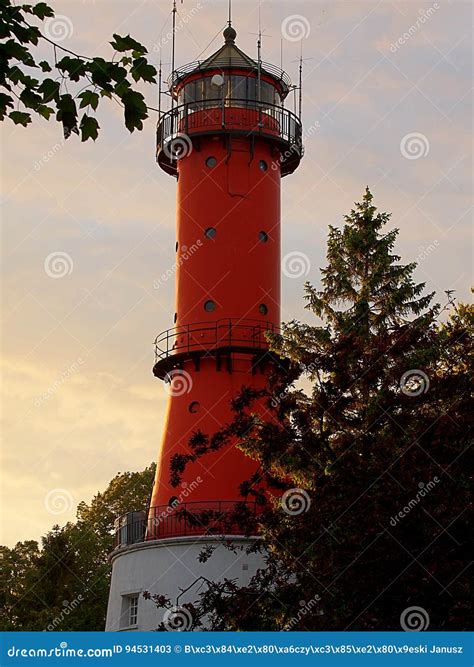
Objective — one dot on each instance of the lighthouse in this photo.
(228, 139)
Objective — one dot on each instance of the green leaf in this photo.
(75, 67)
(30, 99)
(100, 75)
(45, 66)
(143, 70)
(5, 102)
(89, 98)
(135, 110)
(127, 44)
(12, 49)
(42, 10)
(20, 118)
(50, 90)
(89, 128)
(44, 111)
(122, 87)
(67, 114)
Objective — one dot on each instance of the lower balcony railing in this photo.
(214, 517)
(205, 336)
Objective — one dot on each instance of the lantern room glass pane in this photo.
(203, 93)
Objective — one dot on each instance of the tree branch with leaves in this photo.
(31, 87)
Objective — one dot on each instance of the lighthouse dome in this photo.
(226, 59)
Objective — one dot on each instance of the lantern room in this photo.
(231, 94)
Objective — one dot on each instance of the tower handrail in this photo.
(196, 66)
(205, 517)
(223, 332)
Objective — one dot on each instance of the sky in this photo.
(88, 229)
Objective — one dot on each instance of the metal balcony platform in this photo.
(219, 339)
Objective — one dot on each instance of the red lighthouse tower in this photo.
(228, 139)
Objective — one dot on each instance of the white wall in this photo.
(167, 567)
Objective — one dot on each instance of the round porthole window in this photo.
(262, 309)
(211, 162)
(262, 165)
(209, 306)
(263, 237)
(193, 407)
(175, 318)
(176, 246)
(210, 232)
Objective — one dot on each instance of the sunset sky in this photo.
(386, 103)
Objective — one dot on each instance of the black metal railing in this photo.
(223, 64)
(245, 117)
(208, 336)
(213, 517)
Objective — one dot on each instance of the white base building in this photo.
(170, 566)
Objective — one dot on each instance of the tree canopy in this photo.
(368, 443)
(63, 583)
